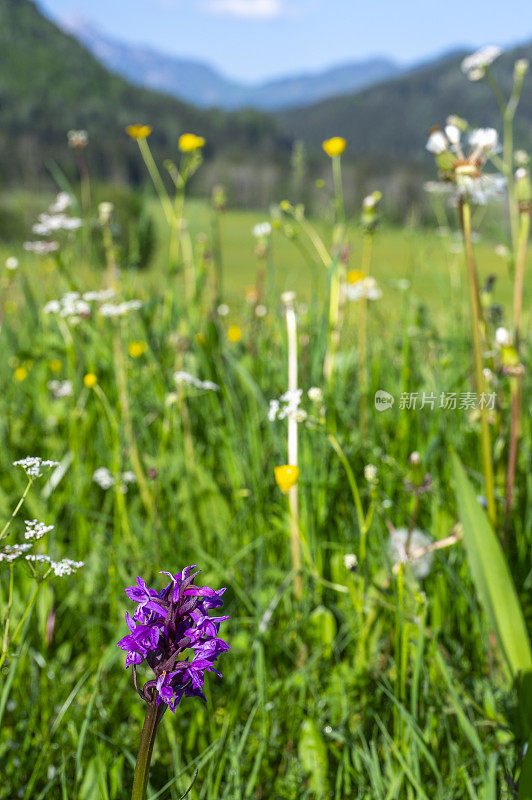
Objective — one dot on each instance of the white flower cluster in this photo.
(503, 337)
(475, 65)
(60, 389)
(74, 305)
(41, 248)
(60, 568)
(262, 230)
(367, 288)
(34, 466)
(71, 304)
(12, 263)
(12, 552)
(106, 480)
(36, 530)
(287, 406)
(191, 380)
(118, 310)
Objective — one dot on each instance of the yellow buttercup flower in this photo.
(139, 131)
(90, 380)
(189, 142)
(335, 146)
(355, 275)
(286, 476)
(137, 349)
(21, 373)
(234, 333)
(56, 365)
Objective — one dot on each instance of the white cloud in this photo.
(247, 9)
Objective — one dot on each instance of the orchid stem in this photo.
(154, 714)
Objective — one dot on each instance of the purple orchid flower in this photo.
(165, 628)
(146, 599)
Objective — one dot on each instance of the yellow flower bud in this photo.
(137, 349)
(335, 146)
(56, 365)
(139, 131)
(355, 275)
(234, 333)
(189, 142)
(21, 373)
(286, 476)
(90, 380)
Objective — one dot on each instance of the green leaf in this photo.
(323, 628)
(525, 779)
(313, 757)
(491, 575)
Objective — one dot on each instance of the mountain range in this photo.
(51, 83)
(204, 86)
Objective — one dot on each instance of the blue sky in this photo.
(255, 39)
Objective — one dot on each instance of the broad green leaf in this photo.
(313, 757)
(491, 576)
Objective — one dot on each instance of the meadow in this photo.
(218, 407)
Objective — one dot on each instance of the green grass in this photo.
(373, 685)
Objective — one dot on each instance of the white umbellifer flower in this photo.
(60, 389)
(370, 201)
(370, 473)
(110, 310)
(41, 248)
(415, 458)
(65, 567)
(50, 223)
(70, 305)
(520, 173)
(185, 377)
(315, 394)
(484, 139)
(12, 552)
(128, 477)
(287, 406)
(12, 263)
(521, 158)
(350, 562)
(453, 134)
(261, 311)
(223, 310)
(36, 530)
(474, 66)
(366, 288)
(99, 296)
(34, 466)
(503, 338)
(61, 203)
(104, 478)
(262, 230)
(437, 143)
(416, 540)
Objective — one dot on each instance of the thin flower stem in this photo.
(16, 510)
(474, 302)
(338, 189)
(295, 538)
(152, 719)
(524, 233)
(8, 612)
(155, 175)
(363, 337)
(20, 624)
